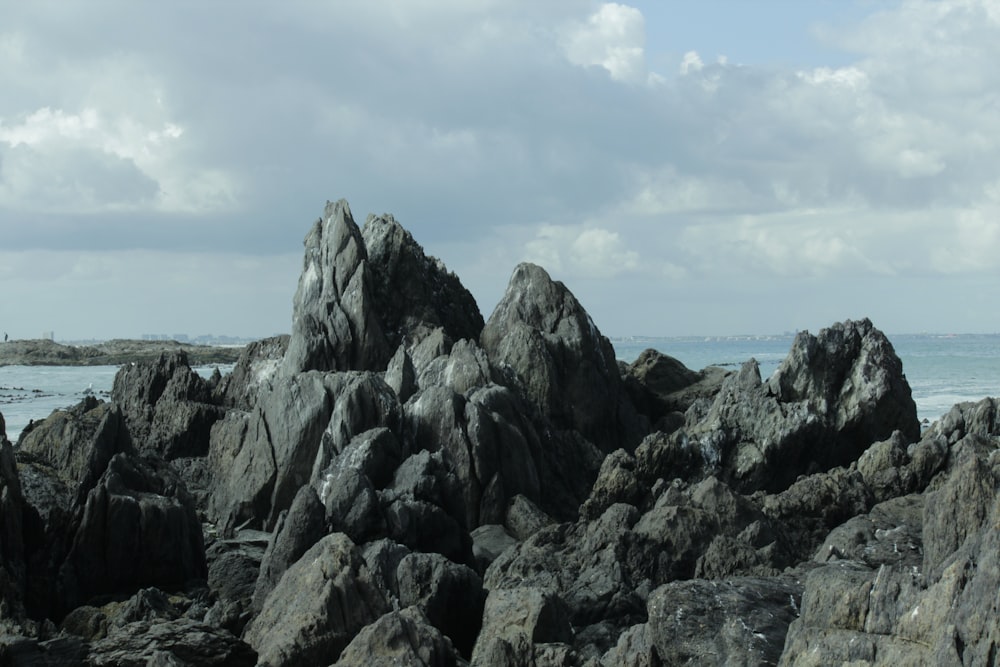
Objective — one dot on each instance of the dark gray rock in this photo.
(13, 570)
(361, 295)
(517, 623)
(739, 621)
(168, 408)
(299, 426)
(415, 293)
(890, 534)
(660, 385)
(832, 396)
(548, 348)
(490, 448)
(375, 453)
(31, 652)
(524, 518)
(334, 322)
(298, 529)
(488, 542)
(383, 558)
(137, 528)
(78, 443)
(352, 506)
(233, 569)
(257, 365)
(450, 595)
(403, 637)
(177, 642)
(320, 604)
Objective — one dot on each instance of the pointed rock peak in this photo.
(415, 292)
(553, 353)
(534, 299)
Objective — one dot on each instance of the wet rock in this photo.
(319, 605)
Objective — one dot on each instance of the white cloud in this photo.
(614, 38)
(588, 252)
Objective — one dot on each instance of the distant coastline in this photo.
(41, 352)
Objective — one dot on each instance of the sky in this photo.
(685, 168)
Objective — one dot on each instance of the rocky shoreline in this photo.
(41, 352)
(400, 481)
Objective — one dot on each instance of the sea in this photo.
(942, 370)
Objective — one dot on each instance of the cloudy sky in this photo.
(711, 167)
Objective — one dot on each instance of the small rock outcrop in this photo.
(833, 395)
(168, 407)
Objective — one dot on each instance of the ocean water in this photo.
(33, 392)
(941, 370)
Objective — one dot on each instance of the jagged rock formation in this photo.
(361, 295)
(397, 482)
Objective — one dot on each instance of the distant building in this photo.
(48, 335)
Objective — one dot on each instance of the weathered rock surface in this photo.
(169, 409)
(138, 528)
(318, 606)
(361, 295)
(257, 364)
(833, 395)
(403, 637)
(548, 348)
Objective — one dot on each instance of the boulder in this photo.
(517, 624)
(320, 604)
(832, 396)
(738, 621)
(450, 595)
(481, 437)
(13, 570)
(402, 637)
(78, 443)
(233, 569)
(660, 385)
(548, 348)
(415, 293)
(298, 528)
